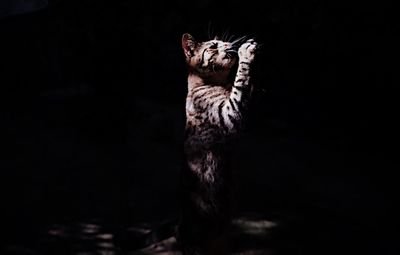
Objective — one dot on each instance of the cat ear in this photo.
(188, 45)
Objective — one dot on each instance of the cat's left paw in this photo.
(247, 51)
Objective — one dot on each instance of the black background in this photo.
(92, 115)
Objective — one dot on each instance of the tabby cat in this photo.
(215, 109)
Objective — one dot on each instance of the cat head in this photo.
(210, 57)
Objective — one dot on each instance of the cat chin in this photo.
(223, 67)
(219, 68)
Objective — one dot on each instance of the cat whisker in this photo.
(231, 51)
(239, 40)
(230, 38)
(225, 35)
(210, 30)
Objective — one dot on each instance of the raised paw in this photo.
(247, 51)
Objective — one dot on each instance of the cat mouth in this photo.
(228, 60)
(218, 68)
(231, 53)
(225, 65)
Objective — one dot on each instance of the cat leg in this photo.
(230, 111)
(241, 89)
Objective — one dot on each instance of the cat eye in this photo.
(214, 46)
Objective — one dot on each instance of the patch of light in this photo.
(106, 252)
(90, 228)
(104, 236)
(105, 245)
(255, 227)
(58, 231)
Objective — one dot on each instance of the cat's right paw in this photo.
(247, 51)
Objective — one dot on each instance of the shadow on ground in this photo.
(248, 235)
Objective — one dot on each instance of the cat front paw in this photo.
(247, 51)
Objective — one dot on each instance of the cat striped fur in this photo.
(216, 106)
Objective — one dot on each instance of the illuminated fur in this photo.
(215, 108)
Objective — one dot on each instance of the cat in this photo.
(216, 107)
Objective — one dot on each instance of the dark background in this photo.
(92, 117)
